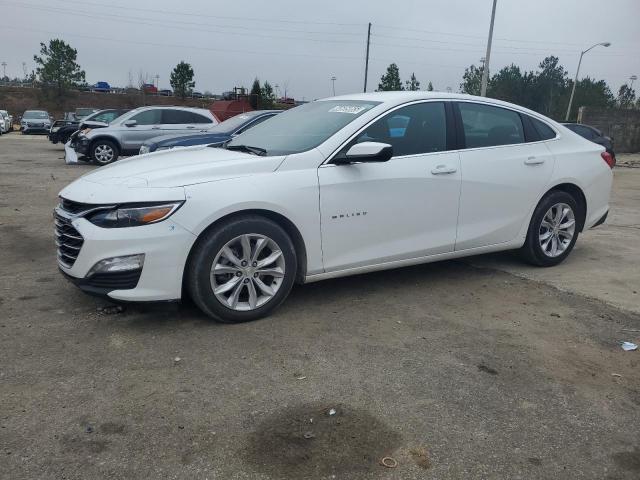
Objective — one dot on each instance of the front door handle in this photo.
(443, 169)
(190, 126)
(155, 128)
(533, 161)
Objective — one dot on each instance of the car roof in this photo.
(400, 97)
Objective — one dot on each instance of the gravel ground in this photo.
(454, 370)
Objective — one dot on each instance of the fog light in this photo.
(118, 264)
(144, 149)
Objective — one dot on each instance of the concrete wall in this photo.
(621, 125)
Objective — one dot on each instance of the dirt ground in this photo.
(482, 368)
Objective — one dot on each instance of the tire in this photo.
(104, 152)
(237, 303)
(557, 209)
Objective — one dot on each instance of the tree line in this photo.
(545, 90)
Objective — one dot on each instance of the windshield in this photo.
(84, 112)
(302, 128)
(230, 125)
(35, 114)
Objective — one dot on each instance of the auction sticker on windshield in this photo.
(353, 109)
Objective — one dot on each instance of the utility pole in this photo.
(4, 69)
(333, 84)
(366, 62)
(485, 70)
(633, 78)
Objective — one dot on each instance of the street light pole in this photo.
(333, 85)
(633, 78)
(485, 69)
(573, 89)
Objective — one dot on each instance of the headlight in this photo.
(143, 149)
(134, 215)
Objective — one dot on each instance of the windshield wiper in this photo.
(261, 152)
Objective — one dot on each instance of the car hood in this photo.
(93, 125)
(188, 140)
(177, 168)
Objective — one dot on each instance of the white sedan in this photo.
(335, 187)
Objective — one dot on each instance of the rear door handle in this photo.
(155, 128)
(190, 126)
(533, 161)
(443, 169)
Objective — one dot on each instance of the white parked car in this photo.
(6, 122)
(335, 187)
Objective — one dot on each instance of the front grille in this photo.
(115, 281)
(68, 240)
(75, 207)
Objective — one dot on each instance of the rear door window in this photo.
(181, 117)
(489, 126)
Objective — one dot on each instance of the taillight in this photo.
(607, 157)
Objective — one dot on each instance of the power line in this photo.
(480, 37)
(159, 23)
(204, 15)
(167, 45)
(479, 49)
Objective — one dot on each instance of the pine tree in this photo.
(255, 94)
(412, 84)
(57, 66)
(390, 81)
(182, 80)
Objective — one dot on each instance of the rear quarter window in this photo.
(544, 130)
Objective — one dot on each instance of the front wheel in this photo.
(242, 270)
(553, 230)
(104, 152)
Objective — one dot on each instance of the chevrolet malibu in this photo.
(336, 187)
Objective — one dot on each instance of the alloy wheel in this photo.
(103, 153)
(247, 272)
(557, 230)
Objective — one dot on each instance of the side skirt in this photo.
(512, 245)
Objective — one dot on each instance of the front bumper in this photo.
(165, 245)
(102, 284)
(36, 128)
(80, 145)
(54, 136)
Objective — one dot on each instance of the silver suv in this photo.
(125, 134)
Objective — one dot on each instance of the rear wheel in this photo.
(104, 152)
(242, 270)
(553, 230)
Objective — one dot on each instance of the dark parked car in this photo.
(593, 134)
(216, 135)
(63, 131)
(165, 93)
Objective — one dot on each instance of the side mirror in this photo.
(366, 152)
(130, 123)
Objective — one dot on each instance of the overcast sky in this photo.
(302, 44)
